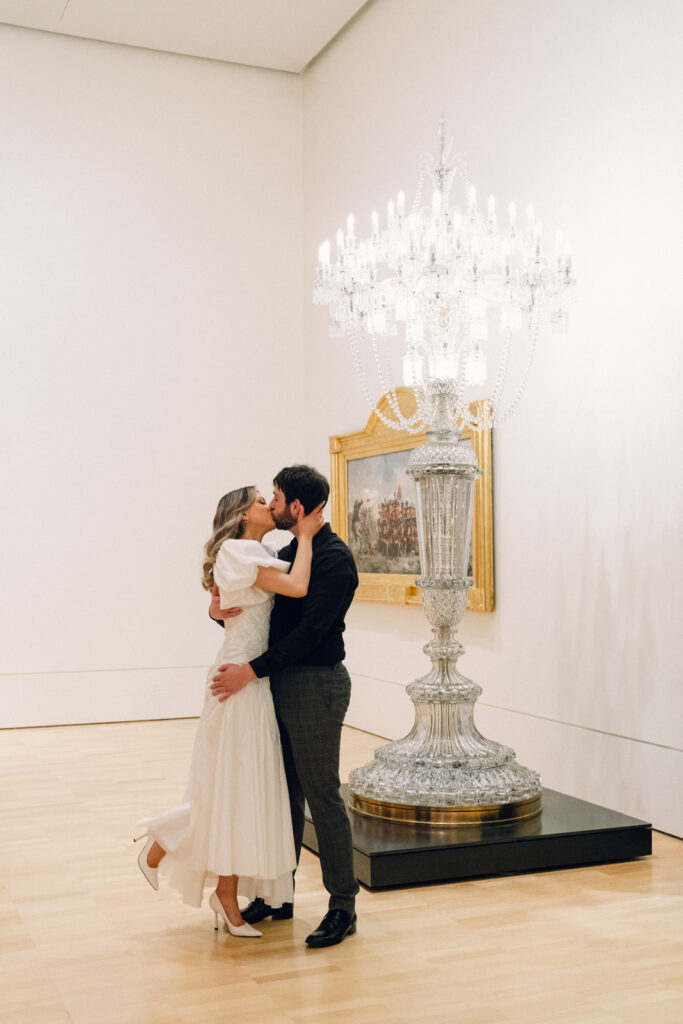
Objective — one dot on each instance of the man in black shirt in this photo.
(311, 690)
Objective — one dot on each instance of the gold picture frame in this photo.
(378, 439)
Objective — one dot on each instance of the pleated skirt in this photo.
(235, 817)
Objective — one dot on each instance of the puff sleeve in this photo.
(236, 569)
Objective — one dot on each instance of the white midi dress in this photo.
(235, 817)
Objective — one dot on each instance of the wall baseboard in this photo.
(120, 695)
(627, 775)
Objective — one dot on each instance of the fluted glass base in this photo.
(445, 764)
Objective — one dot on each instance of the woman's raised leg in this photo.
(155, 855)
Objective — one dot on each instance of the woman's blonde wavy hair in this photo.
(227, 523)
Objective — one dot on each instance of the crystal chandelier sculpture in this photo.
(442, 279)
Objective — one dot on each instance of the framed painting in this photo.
(373, 509)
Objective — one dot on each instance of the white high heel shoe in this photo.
(242, 931)
(151, 874)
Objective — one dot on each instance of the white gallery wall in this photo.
(144, 197)
(159, 224)
(576, 108)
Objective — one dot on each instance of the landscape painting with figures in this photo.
(382, 515)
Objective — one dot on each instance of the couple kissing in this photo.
(269, 733)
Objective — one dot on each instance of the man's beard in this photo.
(284, 519)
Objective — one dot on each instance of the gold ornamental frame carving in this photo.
(378, 439)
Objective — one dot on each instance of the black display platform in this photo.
(566, 833)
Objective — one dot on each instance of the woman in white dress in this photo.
(233, 830)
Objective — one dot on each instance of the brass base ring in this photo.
(414, 814)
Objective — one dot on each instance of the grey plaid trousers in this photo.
(310, 704)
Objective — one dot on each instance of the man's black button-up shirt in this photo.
(308, 630)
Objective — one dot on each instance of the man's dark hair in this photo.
(304, 483)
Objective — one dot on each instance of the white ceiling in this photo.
(281, 34)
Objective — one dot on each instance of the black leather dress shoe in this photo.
(334, 927)
(258, 910)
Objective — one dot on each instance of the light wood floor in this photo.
(83, 938)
